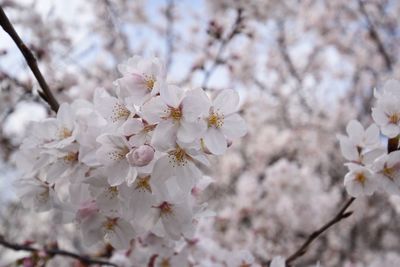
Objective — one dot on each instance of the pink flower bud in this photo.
(140, 156)
(86, 209)
(28, 262)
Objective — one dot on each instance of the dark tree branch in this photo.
(54, 252)
(30, 60)
(373, 33)
(342, 214)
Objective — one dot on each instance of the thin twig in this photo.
(169, 38)
(224, 42)
(375, 36)
(283, 49)
(30, 60)
(342, 214)
(54, 252)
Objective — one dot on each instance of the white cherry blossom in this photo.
(223, 122)
(142, 79)
(359, 181)
(177, 113)
(113, 155)
(386, 113)
(360, 146)
(387, 172)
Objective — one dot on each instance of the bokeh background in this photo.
(303, 70)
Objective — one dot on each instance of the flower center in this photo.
(178, 156)
(244, 264)
(64, 133)
(394, 118)
(149, 82)
(165, 263)
(113, 192)
(119, 154)
(110, 223)
(148, 128)
(119, 112)
(165, 208)
(360, 177)
(388, 172)
(143, 184)
(71, 157)
(175, 113)
(214, 120)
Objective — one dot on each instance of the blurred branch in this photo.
(54, 252)
(342, 214)
(283, 49)
(375, 36)
(116, 24)
(285, 54)
(236, 29)
(169, 33)
(30, 60)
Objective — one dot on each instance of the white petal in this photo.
(154, 109)
(390, 130)
(65, 116)
(379, 116)
(355, 131)
(187, 176)
(171, 95)
(174, 223)
(121, 235)
(348, 149)
(215, 141)
(226, 102)
(190, 131)
(372, 135)
(162, 170)
(392, 86)
(132, 126)
(164, 135)
(234, 126)
(138, 139)
(91, 230)
(195, 104)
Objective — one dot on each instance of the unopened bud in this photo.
(140, 156)
(86, 210)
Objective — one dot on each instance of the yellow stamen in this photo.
(119, 112)
(143, 184)
(149, 82)
(110, 224)
(149, 128)
(215, 120)
(388, 172)
(175, 113)
(178, 156)
(165, 263)
(113, 191)
(360, 177)
(71, 157)
(118, 155)
(394, 118)
(64, 133)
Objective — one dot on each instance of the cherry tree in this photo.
(220, 133)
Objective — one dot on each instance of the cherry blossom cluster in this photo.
(129, 164)
(371, 165)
